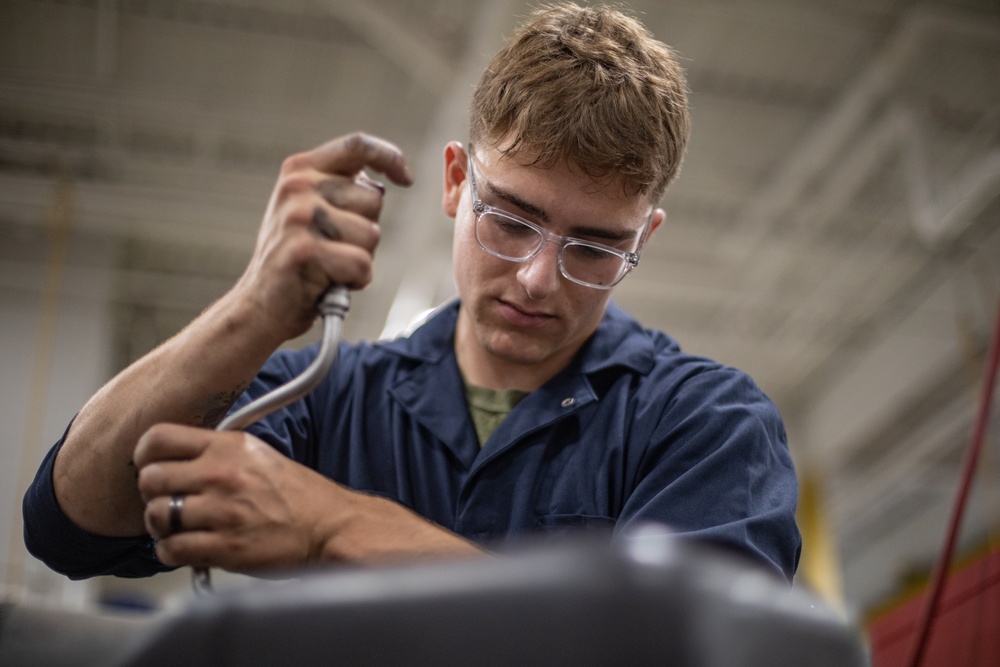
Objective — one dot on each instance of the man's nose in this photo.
(540, 275)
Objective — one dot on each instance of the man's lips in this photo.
(521, 316)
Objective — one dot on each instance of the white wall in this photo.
(61, 375)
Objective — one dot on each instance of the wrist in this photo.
(277, 310)
(244, 319)
(372, 528)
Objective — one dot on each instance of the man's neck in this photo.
(499, 376)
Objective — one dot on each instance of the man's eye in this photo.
(591, 254)
(512, 228)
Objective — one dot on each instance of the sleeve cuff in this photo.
(53, 538)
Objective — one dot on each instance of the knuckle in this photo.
(301, 250)
(229, 517)
(149, 478)
(165, 552)
(156, 433)
(173, 551)
(294, 183)
(299, 212)
(362, 265)
(222, 478)
(248, 445)
(292, 163)
(357, 142)
(149, 520)
(372, 237)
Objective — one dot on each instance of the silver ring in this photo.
(175, 508)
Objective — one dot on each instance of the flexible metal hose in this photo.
(333, 309)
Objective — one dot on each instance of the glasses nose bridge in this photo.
(538, 265)
(547, 237)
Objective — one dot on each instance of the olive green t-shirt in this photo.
(489, 407)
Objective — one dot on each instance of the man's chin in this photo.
(521, 355)
(514, 347)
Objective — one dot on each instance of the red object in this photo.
(966, 625)
(929, 612)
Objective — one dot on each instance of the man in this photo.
(529, 405)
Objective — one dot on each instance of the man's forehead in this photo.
(613, 185)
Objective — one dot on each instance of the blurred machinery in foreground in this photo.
(651, 599)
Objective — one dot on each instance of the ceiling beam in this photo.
(396, 42)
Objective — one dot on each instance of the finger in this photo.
(338, 225)
(325, 225)
(196, 548)
(171, 442)
(199, 512)
(344, 264)
(351, 153)
(320, 261)
(357, 196)
(162, 479)
(157, 516)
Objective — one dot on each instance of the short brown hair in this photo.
(589, 86)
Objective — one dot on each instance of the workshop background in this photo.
(835, 230)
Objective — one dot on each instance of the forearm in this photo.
(377, 529)
(191, 379)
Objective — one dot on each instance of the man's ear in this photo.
(656, 218)
(659, 215)
(455, 163)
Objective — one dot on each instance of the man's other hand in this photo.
(248, 508)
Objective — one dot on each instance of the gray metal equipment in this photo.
(650, 599)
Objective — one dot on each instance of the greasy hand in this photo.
(246, 507)
(321, 227)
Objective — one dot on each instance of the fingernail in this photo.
(369, 182)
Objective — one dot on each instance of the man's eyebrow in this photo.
(605, 234)
(513, 199)
(576, 231)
